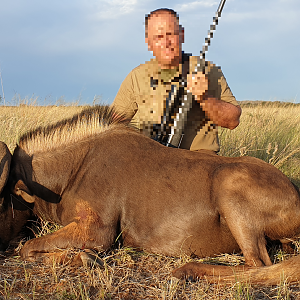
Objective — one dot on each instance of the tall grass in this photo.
(269, 132)
(16, 120)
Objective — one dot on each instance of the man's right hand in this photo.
(197, 84)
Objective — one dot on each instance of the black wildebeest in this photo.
(99, 178)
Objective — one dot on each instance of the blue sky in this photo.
(76, 50)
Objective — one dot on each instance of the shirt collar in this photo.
(163, 75)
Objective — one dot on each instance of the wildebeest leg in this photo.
(194, 270)
(253, 248)
(81, 235)
(242, 216)
(248, 234)
(86, 257)
(253, 245)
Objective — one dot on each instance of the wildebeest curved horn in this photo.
(5, 159)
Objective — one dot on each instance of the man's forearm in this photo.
(222, 113)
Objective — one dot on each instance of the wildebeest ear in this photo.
(22, 190)
(5, 157)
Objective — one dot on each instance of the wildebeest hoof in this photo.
(26, 251)
(187, 272)
(88, 258)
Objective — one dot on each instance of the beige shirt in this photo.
(143, 93)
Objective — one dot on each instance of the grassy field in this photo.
(270, 132)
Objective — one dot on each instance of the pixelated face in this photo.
(164, 39)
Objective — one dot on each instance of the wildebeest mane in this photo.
(89, 122)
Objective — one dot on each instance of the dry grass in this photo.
(16, 120)
(85, 125)
(271, 133)
(126, 274)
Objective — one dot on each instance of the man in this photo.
(143, 93)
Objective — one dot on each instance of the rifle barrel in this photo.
(220, 8)
(210, 33)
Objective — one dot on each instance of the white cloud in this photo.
(112, 9)
(190, 6)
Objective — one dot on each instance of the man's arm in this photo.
(222, 113)
(124, 102)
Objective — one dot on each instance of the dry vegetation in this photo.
(270, 132)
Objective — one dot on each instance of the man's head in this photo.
(164, 37)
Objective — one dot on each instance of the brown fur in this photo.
(168, 201)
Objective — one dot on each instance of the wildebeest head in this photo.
(5, 160)
(18, 187)
(5, 157)
(12, 217)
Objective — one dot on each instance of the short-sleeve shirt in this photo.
(143, 93)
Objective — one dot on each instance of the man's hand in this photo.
(221, 113)
(197, 84)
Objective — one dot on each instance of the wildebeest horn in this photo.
(5, 157)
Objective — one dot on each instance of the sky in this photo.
(80, 51)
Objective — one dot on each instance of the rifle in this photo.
(178, 103)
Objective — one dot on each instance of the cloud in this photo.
(112, 9)
(191, 6)
(47, 29)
